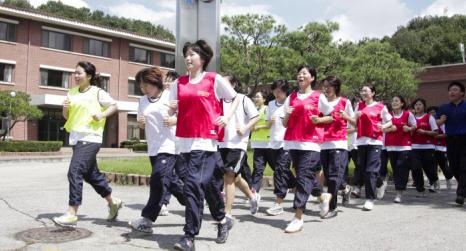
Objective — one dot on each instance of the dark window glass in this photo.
(8, 32)
(133, 88)
(6, 72)
(54, 78)
(96, 47)
(56, 40)
(105, 83)
(167, 60)
(140, 55)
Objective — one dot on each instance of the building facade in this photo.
(39, 53)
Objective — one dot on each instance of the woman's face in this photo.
(396, 103)
(259, 99)
(279, 94)
(328, 90)
(149, 90)
(80, 75)
(367, 94)
(419, 107)
(192, 60)
(304, 78)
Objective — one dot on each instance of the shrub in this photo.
(140, 147)
(30, 146)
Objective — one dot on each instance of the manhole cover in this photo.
(52, 235)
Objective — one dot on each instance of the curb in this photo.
(144, 180)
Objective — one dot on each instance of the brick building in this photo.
(435, 81)
(38, 55)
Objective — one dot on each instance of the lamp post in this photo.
(462, 51)
(12, 94)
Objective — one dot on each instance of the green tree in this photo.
(431, 40)
(19, 3)
(18, 108)
(378, 62)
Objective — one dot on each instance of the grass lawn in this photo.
(141, 165)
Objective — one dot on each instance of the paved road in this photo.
(32, 193)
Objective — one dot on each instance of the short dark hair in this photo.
(90, 70)
(152, 76)
(312, 71)
(235, 81)
(333, 82)
(432, 108)
(402, 99)
(423, 101)
(281, 84)
(371, 86)
(171, 75)
(456, 83)
(202, 48)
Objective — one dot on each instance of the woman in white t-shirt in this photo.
(161, 141)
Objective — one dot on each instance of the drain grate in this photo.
(52, 235)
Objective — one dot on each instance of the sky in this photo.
(357, 18)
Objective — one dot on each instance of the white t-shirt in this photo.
(352, 138)
(411, 122)
(434, 127)
(160, 139)
(244, 113)
(105, 100)
(277, 130)
(386, 117)
(324, 108)
(338, 144)
(223, 90)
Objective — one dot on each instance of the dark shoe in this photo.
(459, 200)
(346, 195)
(185, 244)
(222, 234)
(230, 222)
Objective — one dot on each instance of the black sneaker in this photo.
(222, 234)
(185, 244)
(346, 195)
(459, 200)
(230, 222)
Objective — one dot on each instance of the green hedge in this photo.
(140, 147)
(30, 146)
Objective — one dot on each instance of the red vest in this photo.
(300, 126)
(337, 129)
(440, 142)
(369, 118)
(198, 108)
(399, 137)
(421, 139)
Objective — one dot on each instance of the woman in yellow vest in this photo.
(85, 110)
(260, 143)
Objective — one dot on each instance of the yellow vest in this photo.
(262, 134)
(82, 107)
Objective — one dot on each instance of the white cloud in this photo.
(445, 8)
(74, 3)
(165, 17)
(367, 18)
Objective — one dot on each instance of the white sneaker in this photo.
(164, 211)
(66, 220)
(294, 226)
(437, 185)
(448, 184)
(324, 204)
(368, 205)
(313, 199)
(432, 188)
(254, 203)
(381, 190)
(397, 197)
(142, 225)
(421, 194)
(276, 209)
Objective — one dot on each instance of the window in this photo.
(133, 130)
(54, 78)
(7, 32)
(96, 47)
(133, 88)
(104, 83)
(6, 72)
(167, 60)
(140, 55)
(56, 40)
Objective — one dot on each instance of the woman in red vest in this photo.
(334, 149)
(398, 143)
(197, 99)
(303, 137)
(423, 145)
(372, 117)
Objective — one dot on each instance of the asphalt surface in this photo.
(32, 193)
